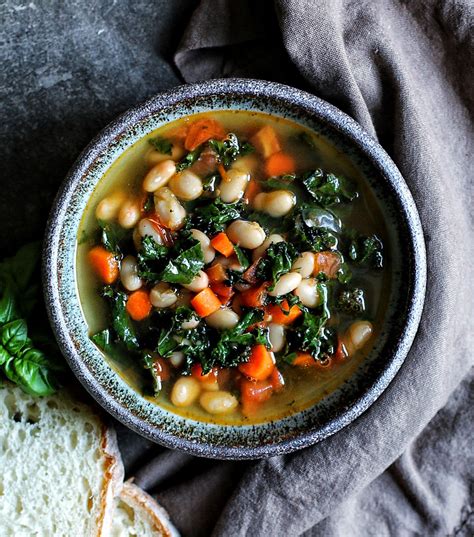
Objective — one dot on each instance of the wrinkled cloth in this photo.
(403, 70)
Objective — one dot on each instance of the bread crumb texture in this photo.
(52, 466)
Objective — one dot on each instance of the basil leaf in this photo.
(32, 371)
(8, 307)
(5, 356)
(14, 335)
(162, 145)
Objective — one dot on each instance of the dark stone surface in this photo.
(68, 68)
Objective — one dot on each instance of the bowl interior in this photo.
(405, 255)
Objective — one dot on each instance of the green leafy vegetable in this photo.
(121, 321)
(308, 233)
(162, 145)
(367, 251)
(229, 149)
(189, 159)
(20, 359)
(184, 267)
(352, 301)
(278, 261)
(328, 189)
(212, 217)
(113, 236)
(242, 258)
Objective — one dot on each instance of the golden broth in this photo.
(303, 387)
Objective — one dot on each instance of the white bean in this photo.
(186, 185)
(219, 402)
(233, 187)
(247, 164)
(147, 229)
(162, 296)
(108, 208)
(246, 234)
(359, 333)
(223, 319)
(277, 203)
(171, 213)
(159, 175)
(190, 323)
(129, 214)
(271, 239)
(286, 283)
(307, 292)
(129, 274)
(304, 264)
(199, 282)
(177, 358)
(185, 391)
(207, 250)
(276, 335)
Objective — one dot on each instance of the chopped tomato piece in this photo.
(161, 368)
(253, 394)
(196, 372)
(304, 359)
(255, 297)
(277, 380)
(253, 188)
(328, 263)
(224, 291)
(216, 273)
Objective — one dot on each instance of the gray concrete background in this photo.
(68, 68)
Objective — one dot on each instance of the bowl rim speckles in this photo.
(225, 441)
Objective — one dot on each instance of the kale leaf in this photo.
(212, 217)
(351, 301)
(278, 260)
(241, 257)
(162, 145)
(121, 322)
(311, 231)
(366, 251)
(184, 267)
(229, 149)
(189, 159)
(113, 236)
(328, 189)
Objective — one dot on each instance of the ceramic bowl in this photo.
(249, 441)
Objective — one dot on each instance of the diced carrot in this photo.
(139, 305)
(277, 380)
(222, 244)
(201, 131)
(255, 296)
(104, 264)
(223, 290)
(222, 172)
(211, 377)
(328, 263)
(266, 141)
(206, 302)
(253, 394)
(279, 164)
(161, 368)
(304, 359)
(253, 188)
(282, 313)
(216, 273)
(260, 365)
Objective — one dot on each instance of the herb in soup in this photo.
(230, 268)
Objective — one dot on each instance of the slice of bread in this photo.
(60, 467)
(138, 515)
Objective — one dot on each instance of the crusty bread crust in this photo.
(113, 480)
(141, 501)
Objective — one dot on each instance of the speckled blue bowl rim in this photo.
(210, 440)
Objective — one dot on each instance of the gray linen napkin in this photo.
(404, 71)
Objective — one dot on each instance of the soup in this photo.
(231, 267)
